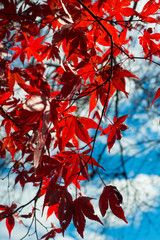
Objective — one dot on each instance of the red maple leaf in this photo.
(111, 197)
(8, 211)
(78, 209)
(149, 8)
(114, 130)
(149, 46)
(29, 47)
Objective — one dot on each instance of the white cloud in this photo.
(102, 139)
(153, 125)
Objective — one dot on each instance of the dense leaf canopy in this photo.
(54, 54)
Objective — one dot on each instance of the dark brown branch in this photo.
(107, 98)
(131, 18)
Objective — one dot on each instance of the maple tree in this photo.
(83, 41)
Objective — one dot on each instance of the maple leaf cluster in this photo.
(40, 114)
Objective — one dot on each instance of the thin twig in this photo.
(24, 205)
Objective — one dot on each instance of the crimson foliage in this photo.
(84, 38)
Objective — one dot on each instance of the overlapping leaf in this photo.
(114, 130)
(111, 197)
(7, 211)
